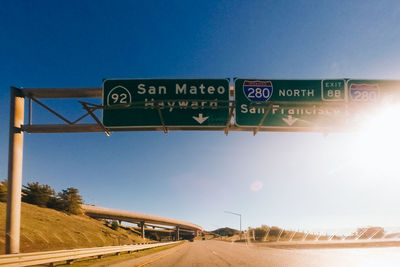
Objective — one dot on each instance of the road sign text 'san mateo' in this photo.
(289, 103)
(165, 102)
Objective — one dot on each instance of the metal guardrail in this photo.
(34, 258)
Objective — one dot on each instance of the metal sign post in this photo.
(13, 218)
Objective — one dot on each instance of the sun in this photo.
(377, 147)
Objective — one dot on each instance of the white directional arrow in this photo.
(289, 120)
(200, 119)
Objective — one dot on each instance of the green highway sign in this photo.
(165, 102)
(289, 103)
(310, 103)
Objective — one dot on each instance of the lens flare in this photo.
(256, 186)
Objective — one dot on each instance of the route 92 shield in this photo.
(257, 91)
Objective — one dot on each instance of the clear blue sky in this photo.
(305, 181)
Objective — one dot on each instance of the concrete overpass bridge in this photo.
(146, 223)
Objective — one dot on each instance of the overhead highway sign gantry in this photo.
(193, 105)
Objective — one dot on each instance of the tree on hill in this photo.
(226, 231)
(55, 203)
(275, 231)
(37, 194)
(3, 190)
(114, 225)
(70, 200)
(261, 232)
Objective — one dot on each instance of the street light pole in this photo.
(240, 220)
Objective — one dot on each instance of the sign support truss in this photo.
(89, 107)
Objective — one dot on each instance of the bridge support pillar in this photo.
(142, 229)
(177, 233)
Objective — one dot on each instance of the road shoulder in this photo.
(142, 260)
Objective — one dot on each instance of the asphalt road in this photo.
(218, 253)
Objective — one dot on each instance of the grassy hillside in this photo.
(47, 229)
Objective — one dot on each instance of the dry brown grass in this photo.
(46, 229)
